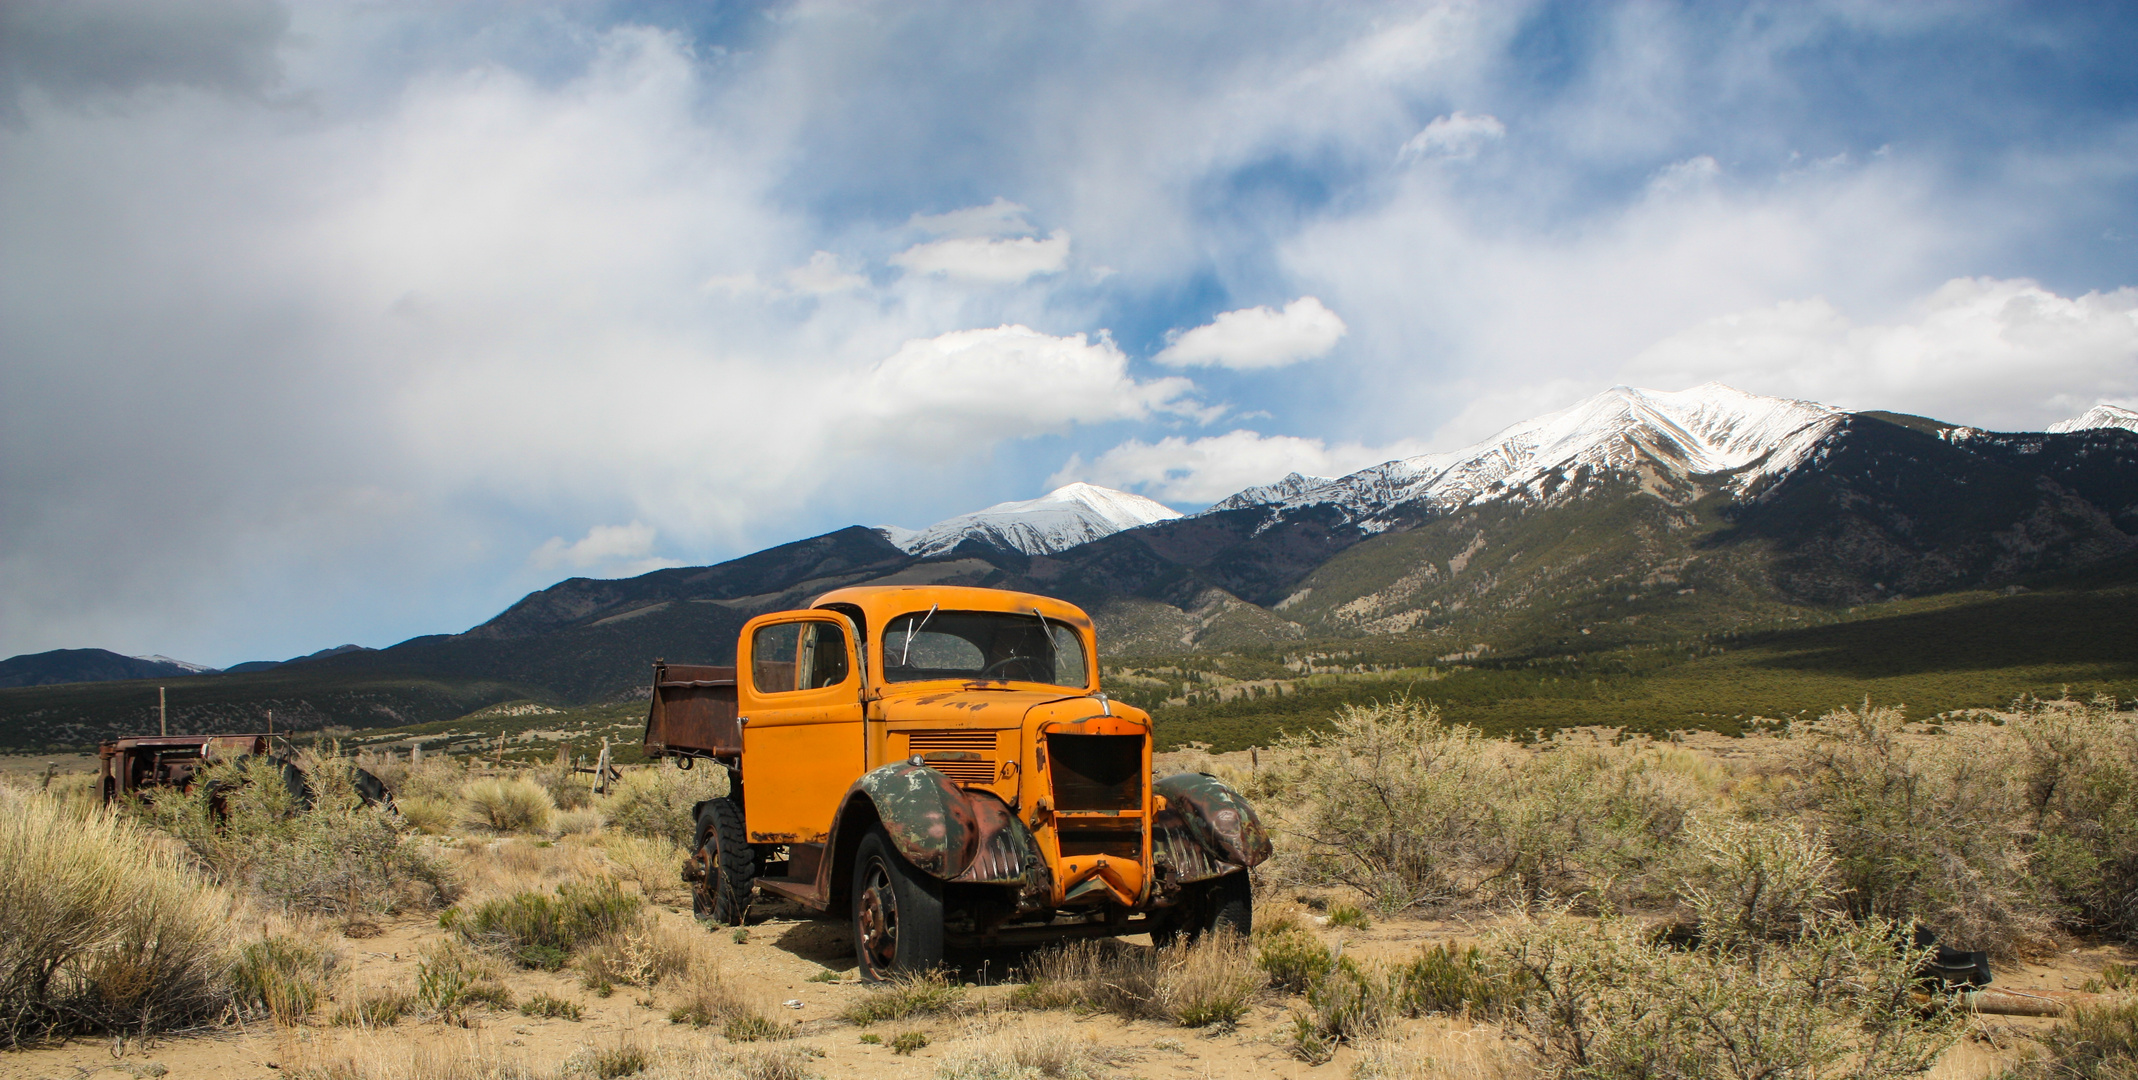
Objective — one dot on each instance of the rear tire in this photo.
(726, 865)
(898, 912)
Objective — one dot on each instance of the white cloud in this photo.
(974, 258)
(621, 550)
(1992, 353)
(999, 218)
(1257, 337)
(1457, 136)
(1196, 471)
(1006, 382)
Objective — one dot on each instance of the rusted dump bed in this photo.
(693, 712)
(168, 760)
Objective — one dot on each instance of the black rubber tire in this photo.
(726, 865)
(897, 913)
(1226, 903)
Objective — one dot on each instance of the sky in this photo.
(354, 322)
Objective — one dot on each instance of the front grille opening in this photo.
(966, 757)
(1096, 772)
(1121, 845)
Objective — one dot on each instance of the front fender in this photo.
(928, 819)
(1207, 829)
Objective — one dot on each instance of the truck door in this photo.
(801, 727)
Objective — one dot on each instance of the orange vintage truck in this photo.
(940, 763)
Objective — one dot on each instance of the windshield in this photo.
(984, 646)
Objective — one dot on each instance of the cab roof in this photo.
(883, 603)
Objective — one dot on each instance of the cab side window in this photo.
(772, 651)
(822, 661)
(797, 656)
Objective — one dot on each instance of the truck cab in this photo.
(941, 764)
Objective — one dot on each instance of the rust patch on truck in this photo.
(927, 818)
(1214, 817)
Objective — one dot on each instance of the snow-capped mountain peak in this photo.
(2100, 416)
(190, 668)
(1063, 518)
(1263, 494)
(1709, 430)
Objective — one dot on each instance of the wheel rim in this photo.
(701, 889)
(876, 919)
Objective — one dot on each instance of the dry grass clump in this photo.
(516, 805)
(577, 822)
(656, 801)
(452, 978)
(1026, 1052)
(1437, 1055)
(902, 996)
(374, 1009)
(333, 855)
(101, 927)
(568, 790)
(1605, 1002)
(2097, 1043)
(654, 864)
(1210, 982)
(540, 930)
(428, 814)
(643, 953)
(283, 976)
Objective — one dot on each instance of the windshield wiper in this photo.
(912, 629)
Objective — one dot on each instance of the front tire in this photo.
(898, 912)
(726, 865)
(1226, 903)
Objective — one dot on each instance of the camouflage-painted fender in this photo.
(929, 820)
(1007, 853)
(1206, 829)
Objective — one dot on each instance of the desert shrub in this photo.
(907, 995)
(1605, 1002)
(1751, 882)
(652, 863)
(101, 926)
(541, 929)
(428, 814)
(642, 954)
(1348, 915)
(435, 777)
(908, 1042)
(1209, 982)
(2077, 777)
(754, 1027)
(625, 1057)
(577, 822)
(2097, 1043)
(283, 976)
(452, 978)
(374, 1010)
(335, 855)
(1412, 811)
(568, 790)
(1922, 829)
(1349, 1003)
(783, 1063)
(516, 805)
(657, 801)
(543, 1006)
(1293, 956)
(1445, 979)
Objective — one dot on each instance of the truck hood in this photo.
(970, 708)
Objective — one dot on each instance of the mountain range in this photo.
(1633, 516)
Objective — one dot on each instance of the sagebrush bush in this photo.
(515, 805)
(335, 855)
(1750, 882)
(1923, 828)
(1605, 1002)
(101, 926)
(1347, 1004)
(438, 776)
(1293, 956)
(1412, 811)
(657, 801)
